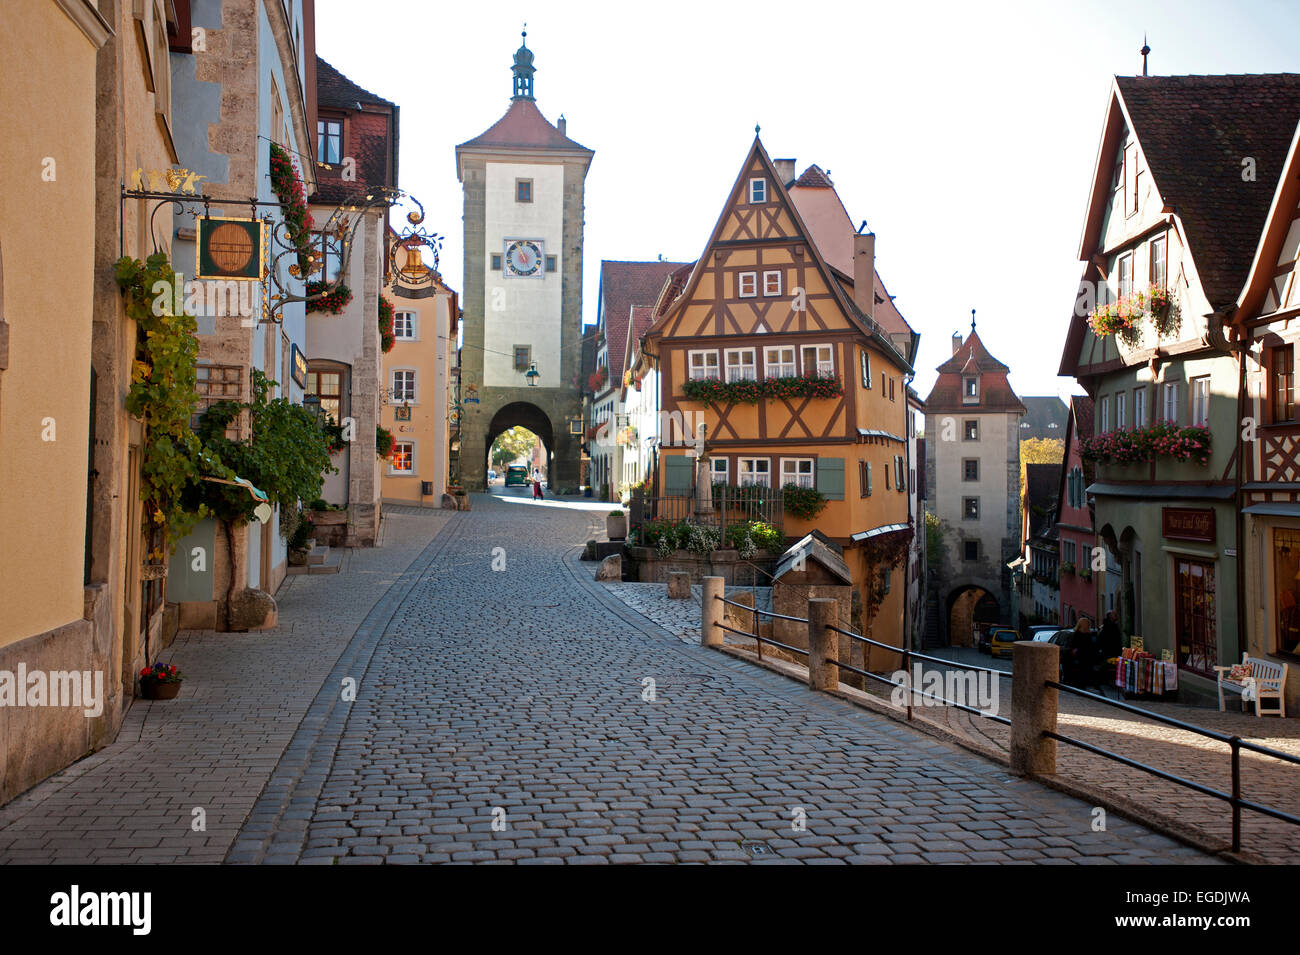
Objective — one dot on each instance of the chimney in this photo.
(562, 125)
(956, 342)
(784, 169)
(864, 273)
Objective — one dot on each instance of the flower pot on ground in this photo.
(616, 525)
(160, 682)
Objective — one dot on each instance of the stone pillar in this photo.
(1033, 707)
(711, 608)
(823, 644)
(703, 489)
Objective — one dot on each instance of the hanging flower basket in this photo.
(333, 301)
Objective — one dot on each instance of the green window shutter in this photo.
(679, 474)
(830, 478)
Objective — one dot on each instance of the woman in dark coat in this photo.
(1079, 656)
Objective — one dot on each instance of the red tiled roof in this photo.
(995, 392)
(672, 287)
(371, 138)
(524, 125)
(814, 178)
(336, 90)
(624, 285)
(1194, 132)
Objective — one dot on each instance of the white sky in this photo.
(964, 133)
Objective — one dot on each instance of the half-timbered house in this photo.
(1265, 329)
(1184, 175)
(785, 347)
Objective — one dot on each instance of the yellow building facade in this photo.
(417, 382)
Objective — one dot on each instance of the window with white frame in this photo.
(818, 360)
(754, 471)
(740, 364)
(719, 470)
(758, 189)
(402, 458)
(329, 140)
(748, 284)
(1201, 401)
(772, 283)
(1125, 274)
(704, 364)
(404, 385)
(1139, 407)
(778, 361)
(1169, 404)
(1159, 256)
(1121, 409)
(797, 471)
(1103, 413)
(404, 326)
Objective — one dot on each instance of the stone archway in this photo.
(966, 608)
(527, 415)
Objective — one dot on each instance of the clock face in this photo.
(523, 258)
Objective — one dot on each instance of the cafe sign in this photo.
(1188, 523)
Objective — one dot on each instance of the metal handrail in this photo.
(765, 613)
(1235, 743)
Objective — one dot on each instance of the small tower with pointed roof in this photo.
(524, 191)
(972, 449)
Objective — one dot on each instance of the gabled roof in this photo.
(1194, 132)
(995, 391)
(622, 286)
(1040, 414)
(813, 547)
(836, 285)
(1263, 288)
(524, 127)
(814, 178)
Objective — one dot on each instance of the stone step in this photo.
(318, 554)
(332, 565)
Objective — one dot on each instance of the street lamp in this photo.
(532, 375)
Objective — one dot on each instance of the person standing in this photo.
(537, 489)
(1079, 656)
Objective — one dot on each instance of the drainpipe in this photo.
(907, 459)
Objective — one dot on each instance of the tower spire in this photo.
(1144, 51)
(972, 321)
(523, 69)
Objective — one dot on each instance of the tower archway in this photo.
(526, 415)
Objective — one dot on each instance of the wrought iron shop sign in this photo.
(229, 248)
(1188, 524)
(299, 366)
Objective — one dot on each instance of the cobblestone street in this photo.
(499, 716)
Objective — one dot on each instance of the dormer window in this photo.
(970, 389)
(758, 190)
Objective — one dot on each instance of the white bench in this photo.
(1266, 681)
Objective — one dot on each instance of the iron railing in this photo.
(1235, 743)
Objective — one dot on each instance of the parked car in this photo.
(1041, 631)
(1000, 641)
(517, 476)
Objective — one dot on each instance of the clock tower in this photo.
(524, 187)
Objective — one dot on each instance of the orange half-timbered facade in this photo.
(766, 309)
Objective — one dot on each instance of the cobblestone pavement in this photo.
(1264, 780)
(500, 717)
(213, 747)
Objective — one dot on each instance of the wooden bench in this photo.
(1268, 678)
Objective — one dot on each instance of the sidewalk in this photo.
(214, 747)
(1268, 781)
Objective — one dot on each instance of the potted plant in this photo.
(616, 525)
(160, 682)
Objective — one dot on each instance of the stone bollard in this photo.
(679, 585)
(1033, 706)
(823, 644)
(711, 611)
(611, 568)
